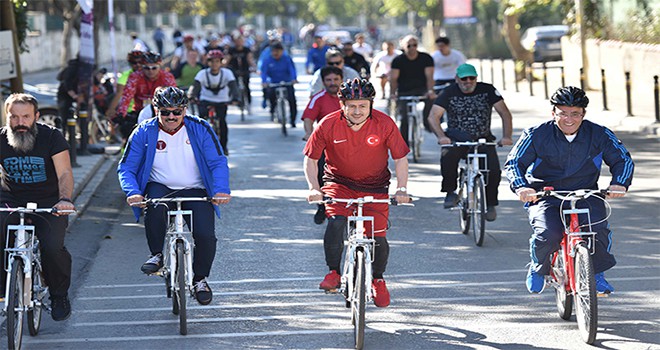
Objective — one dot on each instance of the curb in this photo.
(90, 183)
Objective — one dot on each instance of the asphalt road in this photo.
(446, 292)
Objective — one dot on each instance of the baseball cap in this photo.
(466, 70)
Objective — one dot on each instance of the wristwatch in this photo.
(402, 189)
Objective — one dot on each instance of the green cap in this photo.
(466, 70)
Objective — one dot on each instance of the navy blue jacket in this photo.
(543, 157)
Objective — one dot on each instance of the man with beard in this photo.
(320, 105)
(469, 106)
(36, 168)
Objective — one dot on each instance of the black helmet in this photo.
(569, 96)
(151, 58)
(135, 56)
(170, 97)
(356, 89)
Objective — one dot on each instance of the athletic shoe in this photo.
(60, 307)
(203, 292)
(535, 281)
(319, 216)
(491, 213)
(331, 281)
(451, 200)
(153, 264)
(381, 294)
(602, 286)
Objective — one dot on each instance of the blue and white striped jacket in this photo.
(543, 157)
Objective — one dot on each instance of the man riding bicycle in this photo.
(356, 140)
(566, 153)
(176, 155)
(469, 105)
(35, 167)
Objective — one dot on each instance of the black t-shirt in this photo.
(411, 73)
(239, 60)
(470, 113)
(31, 177)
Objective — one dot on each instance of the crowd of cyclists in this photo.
(153, 106)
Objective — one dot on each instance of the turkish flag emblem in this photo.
(373, 140)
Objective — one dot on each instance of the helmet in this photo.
(569, 96)
(170, 97)
(215, 54)
(151, 57)
(356, 89)
(135, 56)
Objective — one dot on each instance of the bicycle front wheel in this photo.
(15, 305)
(359, 299)
(479, 211)
(38, 293)
(415, 142)
(563, 295)
(182, 287)
(463, 202)
(586, 304)
(282, 114)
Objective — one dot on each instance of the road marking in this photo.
(248, 292)
(211, 307)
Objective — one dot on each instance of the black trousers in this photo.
(55, 258)
(221, 117)
(451, 156)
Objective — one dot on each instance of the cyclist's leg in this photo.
(55, 258)
(333, 241)
(381, 256)
(221, 114)
(428, 104)
(246, 82)
(292, 104)
(155, 218)
(494, 176)
(548, 231)
(402, 111)
(203, 232)
(449, 159)
(203, 107)
(272, 99)
(603, 259)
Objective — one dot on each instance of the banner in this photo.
(458, 11)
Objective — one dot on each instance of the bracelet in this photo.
(64, 199)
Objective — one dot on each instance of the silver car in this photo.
(544, 42)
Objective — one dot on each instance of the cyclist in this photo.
(322, 104)
(333, 57)
(356, 61)
(215, 87)
(469, 106)
(242, 63)
(445, 60)
(382, 64)
(186, 71)
(316, 54)
(36, 168)
(140, 88)
(134, 59)
(567, 154)
(176, 155)
(412, 75)
(278, 68)
(356, 140)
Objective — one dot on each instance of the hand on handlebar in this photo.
(444, 140)
(526, 194)
(402, 197)
(314, 195)
(221, 198)
(616, 191)
(505, 141)
(136, 200)
(63, 208)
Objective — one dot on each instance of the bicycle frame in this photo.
(25, 243)
(415, 124)
(476, 164)
(172, 237)
(357, 241)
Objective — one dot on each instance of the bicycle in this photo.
(243, 104)
(572, 273)
(26, 288)
(177, 255)
(281, 93)
(472, 180)
(358, 257)
(414, 126)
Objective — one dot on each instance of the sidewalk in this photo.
(87, 176)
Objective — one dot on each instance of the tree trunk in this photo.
(512, 39)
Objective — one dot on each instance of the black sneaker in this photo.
(153, 264)
(451, 200)
(491, 213)
(203, 292)
(60, 307)
(319, 216)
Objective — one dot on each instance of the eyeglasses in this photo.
(468, 78)
(336, 63)
(150, 67)
(167, 113)
(563, 114)
(411, 45)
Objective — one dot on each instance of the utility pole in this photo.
(8, 22)
(579, 19)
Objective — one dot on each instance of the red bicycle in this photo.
(572, 273)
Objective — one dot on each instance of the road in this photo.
(446, 292)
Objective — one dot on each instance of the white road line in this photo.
(248, 292)
(213, 320)
(209, 307)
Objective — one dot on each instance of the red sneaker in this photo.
(381, 294)
(331, 281)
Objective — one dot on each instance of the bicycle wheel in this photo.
(243, 101)
(479, 211)
(182, 287)
(563, 294)
(38, 292)
(282, 113)
(414, 139)
(15, 305)
(463, 203)
(586, 304)
(359, 299)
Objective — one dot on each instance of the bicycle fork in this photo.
(176, 237)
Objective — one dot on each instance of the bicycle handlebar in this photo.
(573, 195)
(280, 84)
(37, 210)
(471, 143)
(363, 200)
(411, 98)
(148, 201)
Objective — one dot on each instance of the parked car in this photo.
(544, 42)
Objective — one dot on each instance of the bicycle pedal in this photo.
(603, 295)
(331, 291)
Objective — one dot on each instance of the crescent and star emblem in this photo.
(373, 140)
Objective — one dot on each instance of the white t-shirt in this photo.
(445, 66)
(146, 113)
(174, 163)
(382, 63)
(209, 80)
(316, 85)
(364, 50)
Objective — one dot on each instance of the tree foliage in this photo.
(20, 16)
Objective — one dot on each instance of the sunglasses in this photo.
(468, 78)
(335, 63)
(150, 67)
(411, 45)
(167, 113)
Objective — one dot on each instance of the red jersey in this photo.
(357, 159)
(139, 89)
(321, 104)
